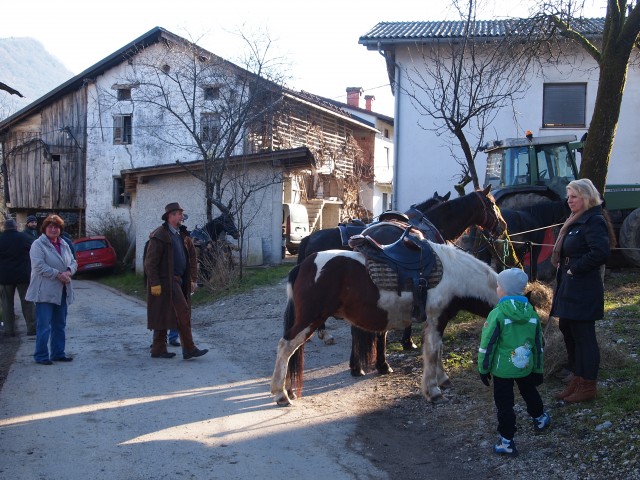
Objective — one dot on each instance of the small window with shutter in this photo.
(121, 129)
(564, 105)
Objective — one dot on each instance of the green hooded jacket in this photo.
(511, 345)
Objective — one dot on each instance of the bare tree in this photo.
(613, 54)
(209, 109)
(460, 84)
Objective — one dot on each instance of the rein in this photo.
(485, 211)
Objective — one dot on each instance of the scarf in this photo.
(555, 255)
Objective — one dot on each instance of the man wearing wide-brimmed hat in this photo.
(171, 268)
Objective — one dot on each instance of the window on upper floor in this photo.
(385, 133)
(124, 94)
(211, 92)
(122, 129)
(210, 127)
(564, 105)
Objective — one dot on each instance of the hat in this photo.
(10, 224)
(172, 207)
(513, 281)
(31, 218)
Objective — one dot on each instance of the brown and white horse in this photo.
(337, 283)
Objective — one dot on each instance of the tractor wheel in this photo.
(630, 237)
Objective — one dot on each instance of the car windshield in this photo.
(95, 244)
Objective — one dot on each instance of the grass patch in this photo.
(131, 284)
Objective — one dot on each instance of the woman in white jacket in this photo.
(52, 265)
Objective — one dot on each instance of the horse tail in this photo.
(295, 367)
(363, 347)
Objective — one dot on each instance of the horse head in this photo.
(492, 220)
(223, 223)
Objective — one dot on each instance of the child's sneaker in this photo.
(541, 423)
(505, 447)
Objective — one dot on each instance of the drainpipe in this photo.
(396, 129)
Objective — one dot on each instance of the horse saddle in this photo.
(410, 259)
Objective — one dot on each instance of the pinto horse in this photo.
(333, 238)
(337, 283)
(451, 218)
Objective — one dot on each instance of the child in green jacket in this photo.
(511, 348)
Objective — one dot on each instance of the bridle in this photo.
(489, 222)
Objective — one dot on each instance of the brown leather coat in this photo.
(158, 267)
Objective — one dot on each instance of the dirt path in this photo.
(119, 414)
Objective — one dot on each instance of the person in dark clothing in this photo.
(67, 238)
(580, 253)
(31, 227)
(171, 268)
(15, 271)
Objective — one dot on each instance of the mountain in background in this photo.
(26, 66)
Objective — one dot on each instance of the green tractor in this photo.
(527, 171)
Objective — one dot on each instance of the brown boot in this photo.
(569, 389)
(587, 390)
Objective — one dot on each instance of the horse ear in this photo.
(487, 189)
(446, 197)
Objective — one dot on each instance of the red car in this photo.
(95, 253)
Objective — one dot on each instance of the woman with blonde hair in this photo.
(581, 251)
(52, 265)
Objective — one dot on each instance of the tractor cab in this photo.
(543, 166)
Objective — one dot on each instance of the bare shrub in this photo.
(116, 231)
(217, 269)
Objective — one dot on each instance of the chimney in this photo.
(353, 96)
(368, 99)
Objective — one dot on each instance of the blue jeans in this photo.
(173, 334)
(51, 320)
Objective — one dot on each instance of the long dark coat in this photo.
(586, 247)
(158, 267)
(15, 264)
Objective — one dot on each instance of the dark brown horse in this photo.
(337, 283)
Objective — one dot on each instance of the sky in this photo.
(318, 39)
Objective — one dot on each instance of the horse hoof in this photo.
(439, 399)
(357, 372)
(384, 369)
(446, 384)
(282, 400)
(409, 345)
(291, 394)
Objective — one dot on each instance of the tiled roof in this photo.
(390, 32)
